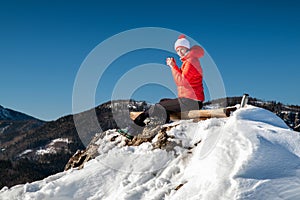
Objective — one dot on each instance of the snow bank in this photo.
(250, 155)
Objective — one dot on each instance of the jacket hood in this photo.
(195, 52)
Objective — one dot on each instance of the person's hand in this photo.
(171, 62)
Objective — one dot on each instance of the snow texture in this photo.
(51, 147)
(4, 113)
(250, 155)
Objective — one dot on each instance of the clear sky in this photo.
(255, 45)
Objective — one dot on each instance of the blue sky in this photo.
(255, 45)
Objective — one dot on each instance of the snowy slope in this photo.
(251, 155)
(8, 114)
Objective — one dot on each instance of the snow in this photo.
(57, 140)
(4, 113)
(25, 152)
(52, 148)
(250, 155)
(4, 129)
(48, 150)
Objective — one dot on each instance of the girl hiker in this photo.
(188, 79)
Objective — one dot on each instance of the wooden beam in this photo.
(134, 115)
(196, 114)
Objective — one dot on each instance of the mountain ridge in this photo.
(9, 114)
(252, 154)
(47, 147)
(19, 148)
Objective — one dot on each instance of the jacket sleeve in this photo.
(183, 77)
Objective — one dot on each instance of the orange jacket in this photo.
(189, 77)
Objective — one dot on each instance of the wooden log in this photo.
(134, 115)
(196, 114)
(205, 114)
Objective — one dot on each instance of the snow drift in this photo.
(250, 155)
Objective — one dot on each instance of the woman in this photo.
(188, 79)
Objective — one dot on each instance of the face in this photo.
(181, 51)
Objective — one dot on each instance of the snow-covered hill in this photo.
(8, 114)
(250, 155)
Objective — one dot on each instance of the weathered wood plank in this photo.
(196, 114)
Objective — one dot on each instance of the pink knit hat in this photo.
(182, 42)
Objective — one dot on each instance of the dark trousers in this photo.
(161, 111)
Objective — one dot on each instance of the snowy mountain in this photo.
(289, 113)
(31, 149)
(252, 154)
(12, 122)
(8, 114)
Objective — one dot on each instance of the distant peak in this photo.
(9, 114)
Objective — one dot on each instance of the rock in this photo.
(82, 156)
(158, 132)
